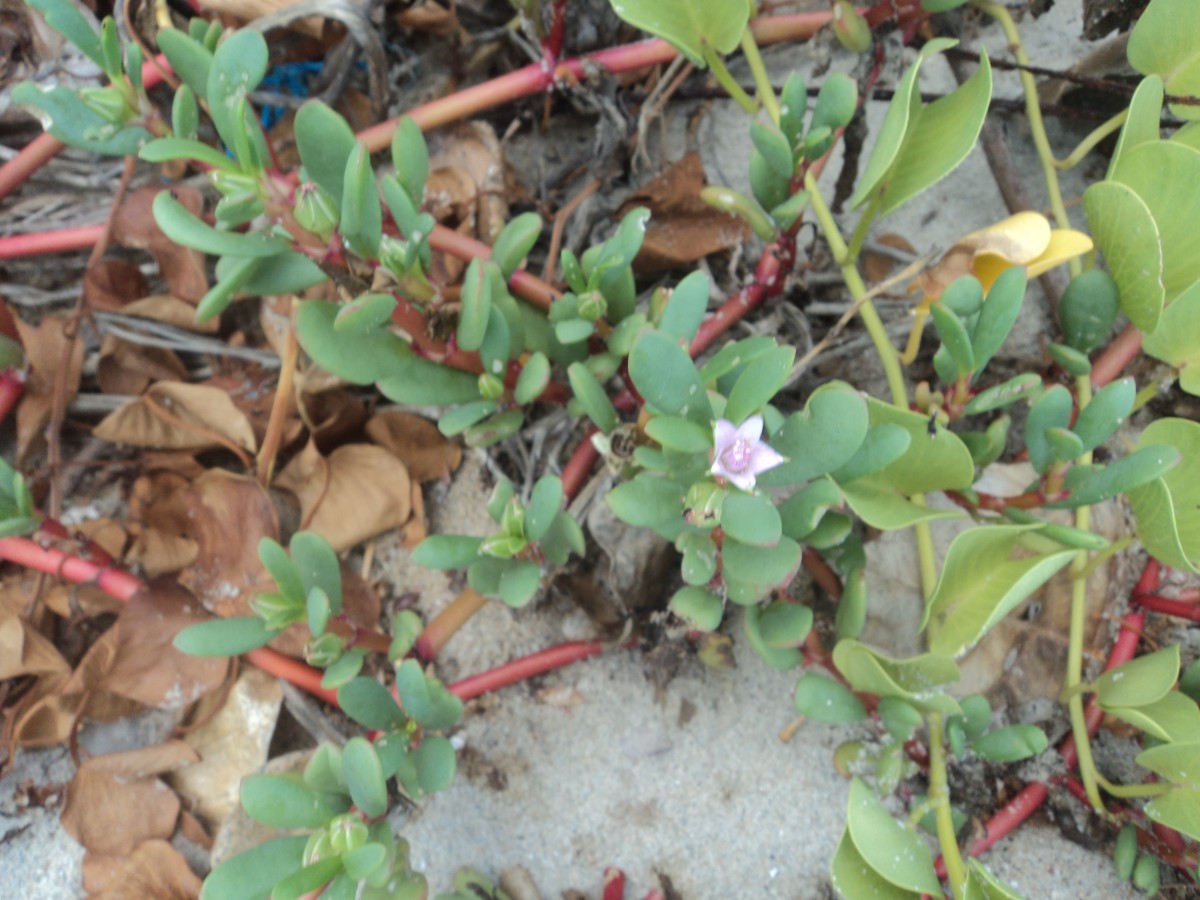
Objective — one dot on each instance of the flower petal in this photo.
(751, 430)
(724, 434)
(743, 480)
(762, 458)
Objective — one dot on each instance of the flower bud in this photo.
(277, 611)
(491, 387)
(703, 504)
(347, 833)
(851, 28)
(592, 305)
(322, 652)
(107, 103)
(315, 211)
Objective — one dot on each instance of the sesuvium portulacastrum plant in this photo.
(706, 455)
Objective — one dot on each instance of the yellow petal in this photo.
(1065, 244)
(1019, 239)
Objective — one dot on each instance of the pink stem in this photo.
(12, 385)
(526, 667)
(1166, 606)
(1119, 354)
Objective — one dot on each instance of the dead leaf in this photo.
(877, 265)
(431, 18)
(49, 350)
(110, 284)
(334, 418)
(228, 514)
(171, 311)
(416, 529)
(116, 801)
(24, 651)
(87, 600)
(179, 416)
(359, 491)
(127, 369)
(154, 871)
(108, 534)
(424, 450)
(252, 390)
(160, 523)
(472, 152)
(682, 227)
(134, 226)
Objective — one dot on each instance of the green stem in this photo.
(762, 81)
(1088, 143)
(1156, 789)
(859, 235)
(727, 81)
(1033, 111)
(939, 795)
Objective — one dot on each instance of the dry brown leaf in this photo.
(416, 529)
(249, 10)
(423, 449)
(878, 266)
(110, 284)
(48, 349)
(682, 227)
(134, 226)
(252, 391)
(179, 416)
(154, 871)
(70, 600)
(359, 491)
(431, 18)
(116, 801)
(127, 369)
(334, 418)
(171, 311)
(229, 514)
(160, 523)
(471, 149)
(108, 534)
(24, 651)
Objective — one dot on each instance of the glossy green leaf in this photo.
(881, 507)
(1141, 681)
(699, 563)
(365, 312)
(1143, 121)
(463, 417)
(74, 122)
(916, 679)
(822, 437)
(545, 502)
(1010, 744)
(837, 100)
(1164, 42)
(1071, 360)
(982, 884)
(1125, 231)
(758, 383)
(686, 307)
(476, 306)
(852, 607)
(779, 658)
(1018, 387)
(854, 877)
(182, 227)
(515, 241)
(325, 143)
(890, 849)
(667, 379)
(1180, 765)
(1173, 718)
(1167, 511)
(998, 315)
(317, 565)
(494, 430)
(364, 777)
(825, 700)
(284, 273)
(362, 214)
(65, 18)
(408, 379)
(435, 764)
(238, 66)
(983, 579)
(188, 58)
(953, 334)
(784, 624)
(344, 669)
(774, 147)
(317, 608)
(224, 637)
(363, 861)
(1064, 444)
(676, 433)
(964, 296)
(1106, 412)
(1088, 309)
(252, 874)
(593, 397)
(884, 445)
(802, 512)
(937, 463)
(307, 880)
(410, 156)
(701, 609)
(646, 501)
(691, 26)
(751, 519)
(1152, 171)
(370, 704)
(285, 801)
(1092, 484)
(1176, 341)
(757, 570)
(793, 106)
(282, 569)
(533, 380)
(426, 700)
(170, 148)
(1051, 410)
(733, 358)
(899, 717)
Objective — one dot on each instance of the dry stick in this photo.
(281, 404)
(560, 224)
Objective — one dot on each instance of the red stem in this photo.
(526, 667)
(12, 384)
(1116, 356)
(614, 884)
(1166, 606)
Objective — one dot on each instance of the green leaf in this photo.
(533, 380)
(691, 26)
(802, 512)
(733, 358)
(520, 582)
(307, 880)
(1051, 410)
(890, 849)
(774, 147)
(184, 228)
(592, 397)
(686, 307)
(238, 66)
(998, 315)
(285, 801)
(74, 122)
(647, 501)
(1070, 359)
(364, 777)
(1180, 765)
(545, 502)
(284, 273)
(899, 717)
(325, 142)
(317, 607)
(701, 609)
(759, 382)
(317, 565)
(65, 18)
(826, 700)
(343, 669)
(793, 104)
(476, 306)
(751, 519)
(1173, 718)
(1087, 485)
(1141, 681)
(365, 312)
(837, 100)
(188, 58)
(784, 624)
(1176, 340)
(463, 417)
(999, 396)
(251, 875)
(435, 764)
(915, 680)
(323, 772)
(853, 876)
(426, 700)
(883, 445)
(699, 557)
(170, 148)
(1106, 412)
(495, 429)
(822, 437)
(937, 463)
(982, 884)
(447, 551)
(758, 570)
(984, 579)
(370, 704)
(852, 608)
(667, 379)
(1164, 43)
(779, 658)
(224, 637)
(684, 435)
(1143, 123)
(1011, 744)
(515, 241)
(883, 508)
(362, 215)
(409, 379)
(1152, 171)
(1167, 511)
(1124, 230)
(363, 861)
(953, 335)
(221, 294)
(410, 156)
(360, 356)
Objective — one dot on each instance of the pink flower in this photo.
(740, 456)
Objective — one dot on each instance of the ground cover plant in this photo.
(709, 448)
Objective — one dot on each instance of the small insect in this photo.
(931, 428)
